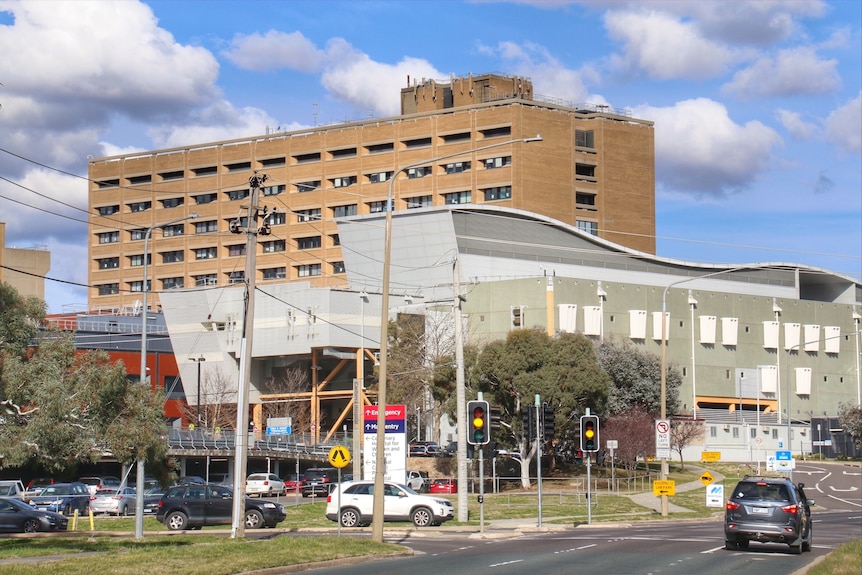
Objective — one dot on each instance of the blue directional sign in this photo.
(278, 430)
(783, 456)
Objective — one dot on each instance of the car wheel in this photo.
(422, 517)
(177, 521)
(30, 526)
(254, 519)
(730, 545)
(806, 545)
(124, 511)
(796, 549)
(350, 517)
(743, 543)
(67, 511)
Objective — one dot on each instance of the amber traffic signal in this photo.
(479, 418)
(589, 433)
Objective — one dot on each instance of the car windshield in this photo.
(57, 490)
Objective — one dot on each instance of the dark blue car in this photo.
(65, 498)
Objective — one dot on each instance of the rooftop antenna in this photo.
(315, 114)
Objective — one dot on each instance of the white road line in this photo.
(506, 563)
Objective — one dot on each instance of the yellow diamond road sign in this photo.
(339, 456)
(706, 478)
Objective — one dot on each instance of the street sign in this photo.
(715, 495)
(339, 456)
(706, 478)
(783, 456)
(662, 438)
(612, 444)
(663, 487)
(710, 456)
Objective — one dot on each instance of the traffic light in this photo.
(589, 433)
(548, 428)
(479, 416)
(528, 423)
(496, 416)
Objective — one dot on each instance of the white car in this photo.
(261, 484)
(400, 503)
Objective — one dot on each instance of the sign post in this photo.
(395, 443)
(339, 457)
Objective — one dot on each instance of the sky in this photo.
(757, 104)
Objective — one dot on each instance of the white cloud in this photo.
(793, 123)
(791, 72)
(664, 47)
(220, 121)
(274, 50)
(31, 206)
(842, 125)
(699, 148)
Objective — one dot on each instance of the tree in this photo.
(217, 401)
(287, 380)
(634, 431)
(636, 377)
(850, 417)
(685, 432)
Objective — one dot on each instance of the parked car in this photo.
(294, 483)
(95, 484)
(19, 517)
(120, 501)
(182, 480)
(261, 484)
(318, 481)
(152, 496)
(769, 510)
(199, 504)
(400, 503)
(425, 449)
(445, 485)
(13, 488)
(34, 486)
(418, 481)
(65, 498)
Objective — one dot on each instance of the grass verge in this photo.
(843, 561)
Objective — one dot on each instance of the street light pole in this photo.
(139, 483)
(377, 523)
(199, 361)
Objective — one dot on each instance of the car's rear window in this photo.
(762, 492)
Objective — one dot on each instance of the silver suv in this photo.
(768, 510)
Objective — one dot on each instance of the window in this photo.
(591, 228)
(308, 270)
(459, 137)
(103, 184)
(136, 286)
(306, 158)
(236, 250)
(273, 246)
(138, 234)
(140, 206)
(308, 215)
(275, 273)
(173, 283)
(174, 388)
(498, 193)
(377, 207)
(236, 277)
(417, 143)
(278, 218)
(457, 167)
(206, 253)
(136, 180)
(343, 182)
(273, 162)
(238, 167)
(517, 316)
(585, 200)
(458, 198)
(380, 148)
(108, 263)
(336, 239)
(175, 230)
(175, 175)
(585, 172)
(138, 260)
(379, 177)
(338, 267)
(109, 237)
(419, 202)
(205, 198)
(109, 289)
(108, 210)
(584, 139)
(492, 163)
(496, 132)
(309, 243)
(205, 171)
(206, 280)
(414, 173)
(343, 211)
(173, 257)
(235, 195)
(345, 153)
(274, 190)
(206, 227)
(172, 202)
(309, 186)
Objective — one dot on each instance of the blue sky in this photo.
(757, 104)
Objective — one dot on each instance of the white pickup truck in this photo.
(418, 481)
(13, 488)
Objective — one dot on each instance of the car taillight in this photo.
(790, 509)
(266, 482)
(732, 506)
(117, 497)
(329, 498)
(92, 497)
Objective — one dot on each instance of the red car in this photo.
(294, 483)
(447, 485)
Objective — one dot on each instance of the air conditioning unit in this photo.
(765, 430)
(726, 427)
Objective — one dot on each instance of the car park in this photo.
(261, 484)
(400, 503)
(65, 498)
(768, 510)
(19, 517)
(120, 501)
(196, 505)
(445, 485)
(318, 480)
(94, 484)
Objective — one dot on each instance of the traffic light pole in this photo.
(589, 484)
(539, 454)
(482, 489)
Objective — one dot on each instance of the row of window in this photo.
(211, 279)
